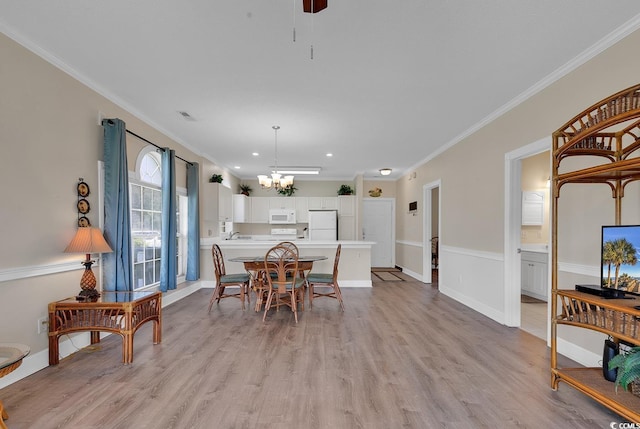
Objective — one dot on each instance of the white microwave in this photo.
(282, 216)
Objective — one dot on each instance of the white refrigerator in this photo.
(323, 225)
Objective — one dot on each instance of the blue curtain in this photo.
(168, 247)
(117, 226)
(193, 221)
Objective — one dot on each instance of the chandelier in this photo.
(277, 181)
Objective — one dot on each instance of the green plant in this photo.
(287, 191)
(628, 366)
(216, 178)
(245, 190)
(345, 190)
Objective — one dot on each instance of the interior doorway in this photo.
(534, 243)
(513, 231)
(378, 225)
(431, 232)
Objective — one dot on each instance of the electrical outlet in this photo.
(43, 324)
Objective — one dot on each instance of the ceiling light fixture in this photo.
(299, 170)
(276, 180)
(385, 171)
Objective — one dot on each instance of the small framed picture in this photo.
(83, 206)
(83, 189)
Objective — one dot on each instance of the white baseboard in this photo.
(411, 273)
(355, 283)
(579, 354)
(72, 344)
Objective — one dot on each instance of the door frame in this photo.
(427, 234)
(512, 227)
(392, 225)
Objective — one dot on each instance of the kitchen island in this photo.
(354, 268)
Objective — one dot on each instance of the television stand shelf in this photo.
(615, 317)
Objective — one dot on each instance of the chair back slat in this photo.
(281, 266)
(336, 262)
(218, 262)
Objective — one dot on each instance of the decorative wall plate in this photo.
(83, 221)
(83, 189)
(83, 206)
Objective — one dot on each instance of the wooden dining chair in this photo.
(326, 285)
(286, 287)
(223, 280)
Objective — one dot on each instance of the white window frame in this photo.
(136, 179)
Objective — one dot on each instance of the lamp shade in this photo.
(88, 240)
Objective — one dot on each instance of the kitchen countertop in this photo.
(537, 248)
(207, 242)
(355, 258)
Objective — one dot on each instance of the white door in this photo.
(378, 225)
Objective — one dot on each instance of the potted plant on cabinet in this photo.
(345, 190)
(216, 178)
(245, 190)
(628, 366)
(287, 191)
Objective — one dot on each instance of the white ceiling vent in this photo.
(186, 116)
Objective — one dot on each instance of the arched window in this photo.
(146, 219)
(148, 166)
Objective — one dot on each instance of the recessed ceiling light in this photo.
(329, 154)
(237, 167)
(255, 154)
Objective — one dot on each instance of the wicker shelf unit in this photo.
(608, 135)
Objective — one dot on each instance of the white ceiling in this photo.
(390, 83)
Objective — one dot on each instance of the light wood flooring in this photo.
(533, 319)
(402, 355)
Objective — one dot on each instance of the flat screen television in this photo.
(620, 258)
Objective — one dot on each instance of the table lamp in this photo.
(88, 240)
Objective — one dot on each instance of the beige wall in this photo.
(472, 172)
(388, 187)
(50, 138)
(304, 188)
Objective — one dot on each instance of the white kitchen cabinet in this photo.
(346, 205)
(532, 208)
(241, 208)
(216, 203)
(346, 228)
(323, 203)
(346, 217)
(260, 209)
(288, 203)
(302, 209)
(534, 274)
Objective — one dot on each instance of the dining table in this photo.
(254, 265)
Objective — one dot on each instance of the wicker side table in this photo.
(11, 356)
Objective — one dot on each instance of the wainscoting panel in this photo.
(474, 278)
